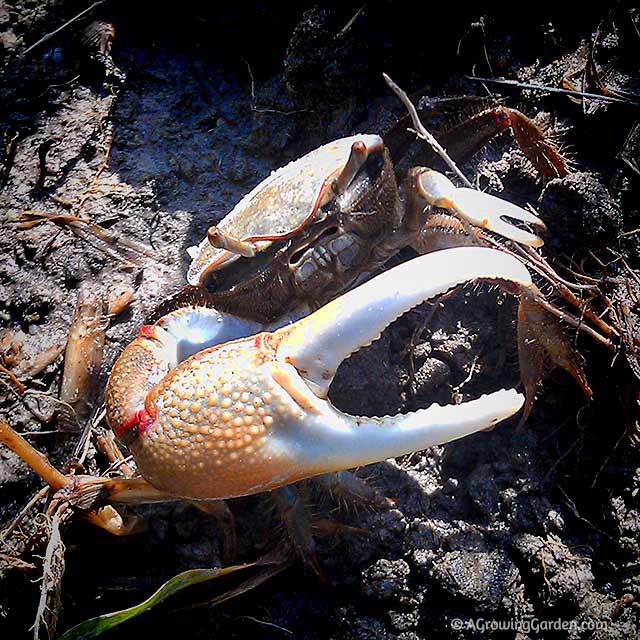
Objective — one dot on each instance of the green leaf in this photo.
(95, 626)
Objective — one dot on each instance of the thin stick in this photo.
(50, 604)
(48, 36)
(562, 287)
(422, 131)
(110, 243)
(626, 234)
(37, 461)
(17, 563)
(14, 380)
(541, 87)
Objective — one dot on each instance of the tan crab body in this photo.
(281, 205)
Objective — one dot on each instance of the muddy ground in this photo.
(159, 139)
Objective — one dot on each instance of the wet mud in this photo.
(158, 140)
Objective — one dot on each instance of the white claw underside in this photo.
(195, 329)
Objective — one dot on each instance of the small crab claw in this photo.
(478, 208)
(252, 414)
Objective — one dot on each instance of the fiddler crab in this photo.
(229, 397)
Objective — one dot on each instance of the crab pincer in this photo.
(478, 208)
(252, 414)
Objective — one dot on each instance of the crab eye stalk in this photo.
(218, 239)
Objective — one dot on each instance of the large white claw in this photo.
(479, 208)
(252, 414)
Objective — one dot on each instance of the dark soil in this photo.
(196, 106)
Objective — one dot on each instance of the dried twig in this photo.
(265, 623)
(51, 586)
(17, 563)
(55, 32)
(13, 379)
(563, 288)
(569, 92)
(541, 267)
(353, 18)
(114, 245)
(106, 443)
(574, 322)
(422, 132)
(4, 535)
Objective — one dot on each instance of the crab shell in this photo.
(280, 206)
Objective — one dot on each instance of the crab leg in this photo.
(478, 208)
(252, 415)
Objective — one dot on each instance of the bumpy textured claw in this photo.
(478, 208)
(252, 415)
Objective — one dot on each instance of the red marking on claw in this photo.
(147, 330)
(140, 420)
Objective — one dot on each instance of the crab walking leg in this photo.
(251, 415)
(478, 208)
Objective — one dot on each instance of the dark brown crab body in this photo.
(305, 233)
